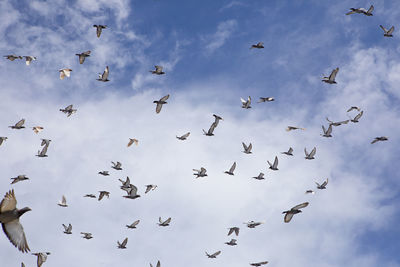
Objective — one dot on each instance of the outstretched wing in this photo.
(9, 202)
(288, 217)
(275, 162)
(312, 153)
(233, 167)
(383, 28)
(300, 206)
(15, 233)
(391, 30)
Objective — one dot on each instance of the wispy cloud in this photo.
(224, 31)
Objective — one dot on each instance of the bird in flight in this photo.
(131, 141)
(37, 129)
(327, 133)
(68, 110)
(234, 230)
(323, 185)
(253, 224)
(160, 103)
(133, 225)
(210, 131)
(274, 166)
(381, 138)
(291, 128)
(150, 187)
(19, 178)
(289, 152)
(259, 45)
(158, 70)
(116, 166)
(331, 78)
(357, 117)
(265, 99)
(247, 149)
(65, 73)
(183, 137)
(361, 10)
(336, 123)
(42, 154)
(311, 154)
(296, 209)
(12, 57)
(158, 264)
(87, 235)
(103, 194)
(259, 177)
(104, 173)
(200, 173)
(246, 103)
(82, 56)
(353, 108)
(388, 33)
(2, 139)
(63, 202)
(99, 29)
(29, 59)
(259, 263)
(232, 242)
(232, 169)
(123, 244)
(214, 255)
(104, 77)
(41, 257)
(18, 125)
(67, 229)
(164, 223)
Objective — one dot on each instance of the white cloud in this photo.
(223, 33)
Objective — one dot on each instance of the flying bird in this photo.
(41, 257)
(217, 119)
(289, 152)
(291, 128)
(82, 56)
(103, 194)
(131, 141)
(357, 117)
(2, 139)
(9, 219)
(323, 185)
(19, 178)
(45, 142)
(65, 73)
(253, 224)
(309, 192)
(123, 244)
(18, 125)
(12, 57)
(259, 263)
(164, 223)
(67, 229)
(63, 202)
(338, 123)
(265, 99)
(133, 225)
(99, 29)
(29, 59)
(104, 173)
(200, 173)
(361, 10)
(274, 166)
(126, 183)
(90, 195)
(296, 209)
(150, 187)
(160, 103)
(246, 103)
(388, 33)
(327, 133)
(311, 154)
(259, 177)
(104, 77)
(158, 70)
(210, 131)
(233, 230)
(183, 137)
(132, 192)
(214, 255)
(247, 149)
(37, 129)
(232, 169)
(68, 110)
(232, 242)
(331, 78)
(259, 45)
(381, 138)
(87, 235)
(353, 108)
(116, 166)
(42, 154)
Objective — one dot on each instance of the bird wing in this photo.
(359, 115)
(67, 72)
(158, 107)
(9, 202)
(231, 231)
(244, 146)
(391, 30)
(124, 242)
(130, 142)
(233, 167)
(333, 74)
(158, 68)
(269, 163)
(250, 147)
(351, 12)
(15, 233)
(63, 200)
(148, 188)
(164, 98)
(185, 135)
(374, 141)
(329, 131)
(371, 8)
(323, 129)
(212, 128)
(325, 183)
(105, 74)
(300, 206)
(312, 153)
(275, 162)
(135, 223)
(158, 264)
(81, 58)
(383, 28)
(167, 221)
(290, 150)
(20, 123)
(216, 253)
(288, 217)
(243, 101)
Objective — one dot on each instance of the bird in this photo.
(103, 194)
(361, 11)
(18, 125)
(259, 263)
(41, 257)
(246, 103)
(381, 138)
(357, 117)
(131, 141)
(19, 178)
(331, 78)
(90, 195)
(45, 142)
(123, 244)
(234, 230)
(259, 45)
(210, 131)
(289, 152)
(68, 110)
(323, 185)
(29, 59)
(296, 209)
(274, 166)
(353, 108)
(104, 77)
(158, 264)
(12, 57)
(158, 70)
(336, 123)
(253, 224)
(214, 255)
(247, 149)
(99, 29)
(388, 33)
(164, 223)
(311, 154)
(232, 242)
(42, 154)
(87, 235)
(291, 128)
(132, 192)
(82, 56)
(327, 133)
(266, 99)
(116, 166)
(37, 129)
(2, 139)
(22, 264)
(160, 103)
(150, 187)
(232, 169)
(183, 137)
(309, 192)
(9, 219)
(126, 183)
(217, 119)
(65, 73)
(259, 177)
(104, 173)
(67, 229)
(133, 225)
(200, 173)
(63, 202)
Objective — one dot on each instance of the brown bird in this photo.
(82, 56)
(41, 257)
(131, 141)
(99, 29)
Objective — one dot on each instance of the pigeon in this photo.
(19, 178)
(296, 209)
(45, 142)
(90, 195)
(214, 255)
(123, 244)
(87, 235)
(150, 187)
(259, 177)
(41, 257)
(164, 223)
(210, 131)
(63, 202)
(233, 230)
(104, 77)
(291, 128)
(9, 219)
(158, 264)
(247, 149)
(65, 73)
(37, 129)
(259, 45)
(133, 225)
(29, 59)
(116, 166)
(183, 137)
(331, 78)
(289, 152)
(131, 141)
(126, 183)
(18, 125)
(361, 11)
(323, 185)
(274, 166)
(388, 33)
(2, 139)
(82, 56)
(12, 57)
(353, 108)
(104, 173)
(160, 103)
(327, 133)
(381, 138)
(67, 229)
(232, 242)
(266, 99)
(357, 117)
(132, 192)
(253, 224)
(246, 103)
(68, 110)
(259, 263)
(232, 169)
(103, 194)
(99, 29)
(336, 123)
(311, 154)
(217, 119)
(42, 154)
(200, 173)
(309, 192)
(158, 70)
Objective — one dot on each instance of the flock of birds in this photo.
(10, 214)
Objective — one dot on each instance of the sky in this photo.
(204, 49)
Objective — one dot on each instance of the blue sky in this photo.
(204, 48)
